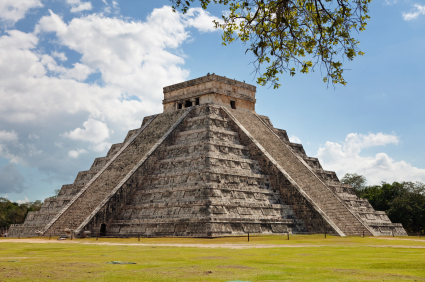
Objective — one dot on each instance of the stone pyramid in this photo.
(207, 166)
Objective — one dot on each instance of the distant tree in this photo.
(357, 181)
(14, 213)
(35, 206)
(3, 217)
(57, 191)
(382, 196)
(403, 202)
(286, 35)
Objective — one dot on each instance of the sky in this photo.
(76, 75)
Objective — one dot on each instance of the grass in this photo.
(305, 257)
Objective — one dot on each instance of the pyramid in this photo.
(208, 166)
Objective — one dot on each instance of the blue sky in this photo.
(76, 75)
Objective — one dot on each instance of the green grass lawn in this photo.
(305, 258)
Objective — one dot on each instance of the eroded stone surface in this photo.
(203, 184)
(207, 170)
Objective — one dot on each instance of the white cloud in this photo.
(5, 153)
(33, 137)
(79, 72)
(58, 144)
(345, 158)
(78, 6)
(75, 153)
(94, 131)
(107, 9)
(294, 139)
(132, 57)
(61, 56)
(200, 19)
(132, 61)
(14, 10)
(418, 10)
(25, 200)
(82, 7)
(354, 142)
(389, 2)
(103, 146)
(8, 135)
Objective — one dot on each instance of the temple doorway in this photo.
(103, 229)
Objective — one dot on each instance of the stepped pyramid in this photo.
(207, 166)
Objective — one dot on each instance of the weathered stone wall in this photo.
(306, 218)
(101, 187)
(332, 209)
(211, 89)
(123, 196)
(200, 182)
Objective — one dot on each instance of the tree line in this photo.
(15, 213)
(403, 202)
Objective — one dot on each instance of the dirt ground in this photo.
(190, 245)
(229, 246)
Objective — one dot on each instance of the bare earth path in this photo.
(229, 246)
(190, 245)
(385, 238)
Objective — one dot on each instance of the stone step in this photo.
(224, 187)
(196, 220)
(114, 149)
(229, 198)
(210, 165)
(206, 145)
(204, 131)
(208, 154)
(99, 163)
(207, 116)
(209, 187)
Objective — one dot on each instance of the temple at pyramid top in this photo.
(210, 89)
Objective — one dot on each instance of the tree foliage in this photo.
(358, 182)
(293, 35)
(403, 202)
(57, 191)
(14, 213)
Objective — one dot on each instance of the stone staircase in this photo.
(324, 200)
(54, 207)
(118, 168)
(36, 221)
(377, 221)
